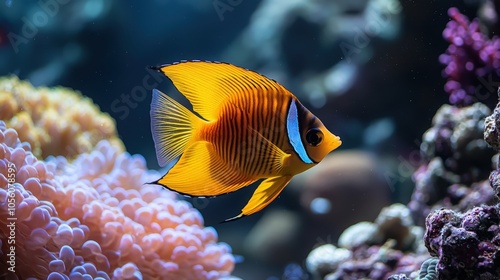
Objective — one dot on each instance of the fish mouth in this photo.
(336, 142)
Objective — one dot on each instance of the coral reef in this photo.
(325, 259)
(457, 162)
(393, 244)
(394, 222)
(92, 217)
(453, 179)
(464, 245)
(472, 60)
(467, 245)
(492, 137)
(453, 197)
(55, 121)
(464, 242)
(491, 133)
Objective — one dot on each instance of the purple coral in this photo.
(94, 218)
(492, 125)
(458, 162)
(492, 137)
(495, 181)
(469, 59)
(377, 263)
(467, 245)
(390, 245)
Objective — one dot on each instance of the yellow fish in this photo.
(249, 128)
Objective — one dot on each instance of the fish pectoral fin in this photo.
(265, 193)
(208, 85)
(201, 172)
(267, 151)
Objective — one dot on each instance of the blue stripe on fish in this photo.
(292, 127)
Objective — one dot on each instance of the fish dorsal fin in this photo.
(208, 85)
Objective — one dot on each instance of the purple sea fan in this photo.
(94, 218)
(472, 61)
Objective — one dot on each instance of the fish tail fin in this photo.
(173, 127)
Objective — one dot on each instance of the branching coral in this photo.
(472, 60)
(93, 217)
(55, 121)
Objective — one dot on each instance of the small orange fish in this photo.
(250, 128)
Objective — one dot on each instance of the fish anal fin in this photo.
(265, 193)
(208, 85)
(201, 172)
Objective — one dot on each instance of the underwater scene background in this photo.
(409, 86)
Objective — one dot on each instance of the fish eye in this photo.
(314, 136)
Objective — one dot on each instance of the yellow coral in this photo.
(55, 121)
